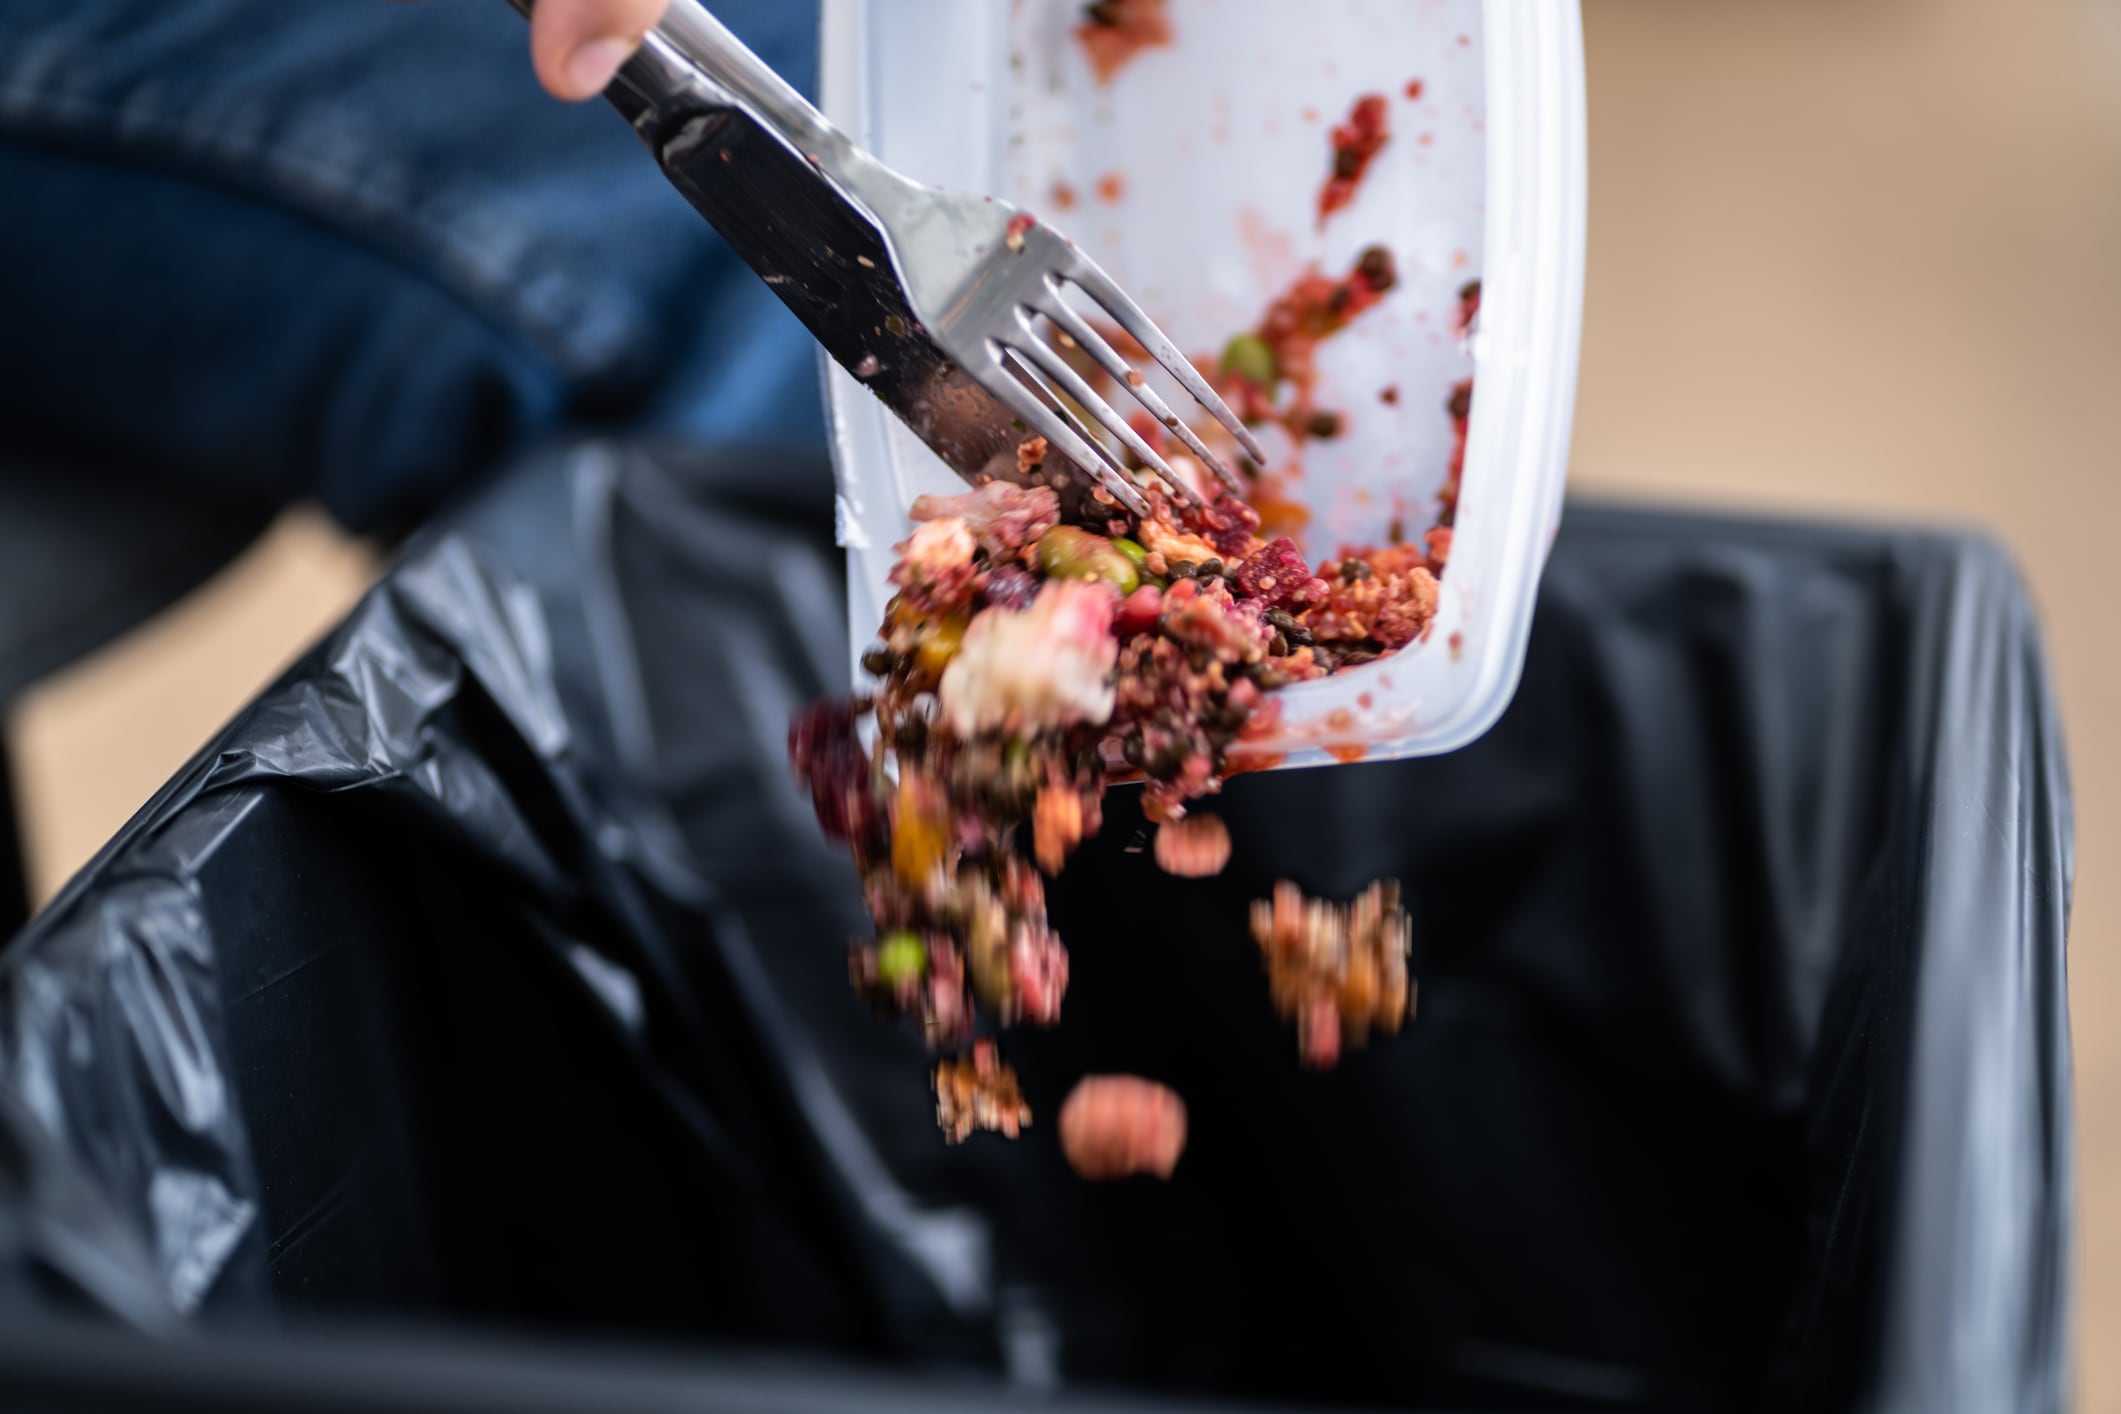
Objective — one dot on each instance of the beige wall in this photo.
(1864, 256)
(1853, 256)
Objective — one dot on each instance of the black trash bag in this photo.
(490, 968)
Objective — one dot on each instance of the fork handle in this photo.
(691, 61)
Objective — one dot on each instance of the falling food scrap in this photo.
(978, 1092)
(1194, 847)
(1115, 1126)
(1337, 970)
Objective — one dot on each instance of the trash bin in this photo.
(487, 972)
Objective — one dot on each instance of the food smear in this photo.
(1270, 372)
(1113, 33)
(1356, 143)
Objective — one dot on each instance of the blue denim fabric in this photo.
(348, 249)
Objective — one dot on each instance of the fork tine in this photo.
(1108, 358)
(1081, 330)
(1106, 461)
(1199, 449)
(1053, 366)
(1112, 473)
(1085, 276)
(1019, 388)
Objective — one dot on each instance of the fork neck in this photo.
(691, 61)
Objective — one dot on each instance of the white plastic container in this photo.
(1220, 143)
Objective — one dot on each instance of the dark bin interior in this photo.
(488, 970)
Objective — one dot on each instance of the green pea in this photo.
(901, 957)
(1068, 552)
(1251, 358)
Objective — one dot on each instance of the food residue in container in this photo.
(1278, 356)
(1063, 197)
(1112, 188)
(1356, 143)
(1468, 305)
(1460, 409)
(1113, 33)
(1414, 89)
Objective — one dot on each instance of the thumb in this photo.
(578, 45)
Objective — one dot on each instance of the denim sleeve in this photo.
(348, 249)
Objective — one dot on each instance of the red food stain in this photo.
(1339, 719)
(1310, 115)
(1460, 408)
(1414, 88)
(1117, 31)
(1313, 308)
(1112, 188)
(1468, 305)
(1348, 753)
(1267, 246)
(1457, 642)
(1063, 197)
(1356, 144)
(1265, 721)
(1389, 395)
(1364, 702)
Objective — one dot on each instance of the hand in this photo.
(577, 45)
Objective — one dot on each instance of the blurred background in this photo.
(1854, 258)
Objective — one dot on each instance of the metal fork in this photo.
(935, 300)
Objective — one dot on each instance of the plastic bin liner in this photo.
(487, 969)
